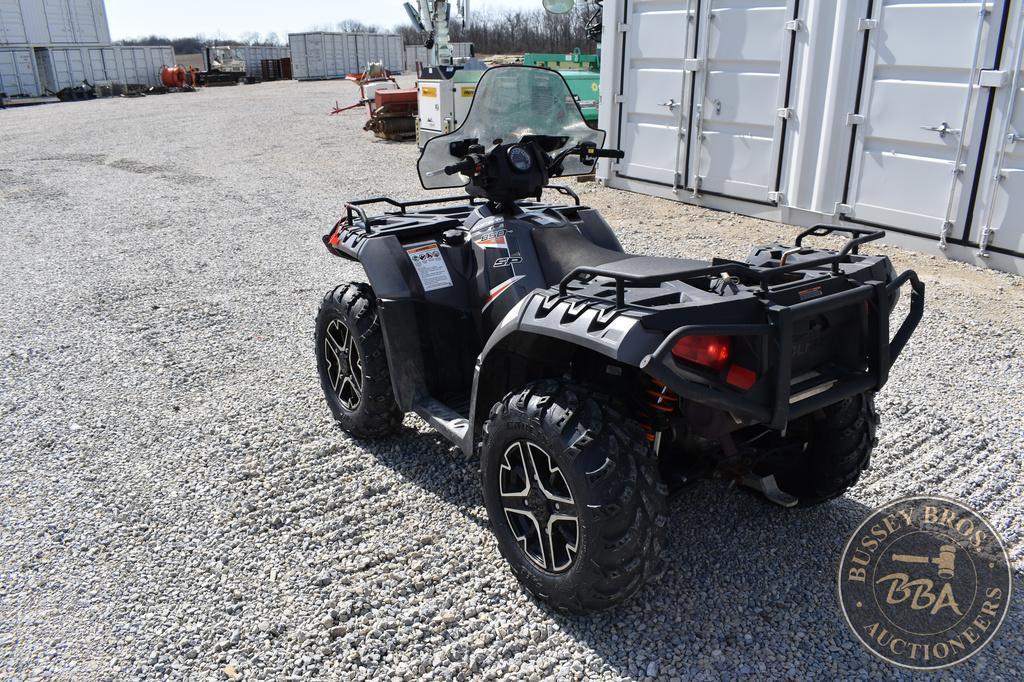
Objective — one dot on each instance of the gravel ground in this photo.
(176, 502)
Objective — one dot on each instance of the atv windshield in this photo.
(510, 103)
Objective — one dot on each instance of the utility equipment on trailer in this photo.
(222, 67)
(592, 382)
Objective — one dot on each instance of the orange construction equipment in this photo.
(391, 110)
(178, 77)
(173, 76)
(393, 114)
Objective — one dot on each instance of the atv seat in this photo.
(561, 250)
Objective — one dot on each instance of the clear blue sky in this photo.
(232, 18)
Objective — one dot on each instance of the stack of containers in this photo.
(49, 45)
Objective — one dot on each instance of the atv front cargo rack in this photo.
(354, 209)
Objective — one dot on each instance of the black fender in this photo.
(547, 329)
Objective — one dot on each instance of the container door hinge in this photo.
(619, 98)
(623, 28)
(785, 112)
(992, 78)
(693, 64)
(777, 197)
(842, 209)
(794, 25)
(867, 24)
(855, 119)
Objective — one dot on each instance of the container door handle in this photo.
(671, 104)
(942, 129)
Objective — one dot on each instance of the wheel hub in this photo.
(539, 507)
(344, 364)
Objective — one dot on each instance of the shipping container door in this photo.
(740, 88)
(58, 21)
(83, 21)
(164, 57)
(9, 82)
(315, 56)
(17, 75)
(395, 53)
(68, 67)
(351, 54)
(654, 110)
(12, 24)
(299, 67)
(135, 70)
(337, 60)
(361, 52)
(1000, 225)
(917, 124)
(104, 68)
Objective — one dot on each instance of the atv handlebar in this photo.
(467, 165)
(594, 153)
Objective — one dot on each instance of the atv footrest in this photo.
(450, 423)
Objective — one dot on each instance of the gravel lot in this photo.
(176, 502)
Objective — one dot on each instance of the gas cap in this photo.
(455, 237)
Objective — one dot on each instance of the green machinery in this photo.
(581, 72)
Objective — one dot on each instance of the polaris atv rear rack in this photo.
(762, 275)
(789, 399)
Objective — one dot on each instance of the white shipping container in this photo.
(418, 54)
(53, 22)
(858, 112)
(18, 74)
(317, 56)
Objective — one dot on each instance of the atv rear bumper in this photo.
(789, 397)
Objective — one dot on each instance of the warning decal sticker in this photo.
(430, 266)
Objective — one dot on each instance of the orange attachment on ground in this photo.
(400, 96)
(173, 76)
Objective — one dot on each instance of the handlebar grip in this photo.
(460, 167)
(609, 154)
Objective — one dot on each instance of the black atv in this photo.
(593, 382)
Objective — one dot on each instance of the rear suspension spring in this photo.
(659, 402)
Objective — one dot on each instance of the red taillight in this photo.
(709, 351)
(741, 377)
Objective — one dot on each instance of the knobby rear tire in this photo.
(611, 471)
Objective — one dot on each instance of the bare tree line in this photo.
(492, 31)
(515, 31)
